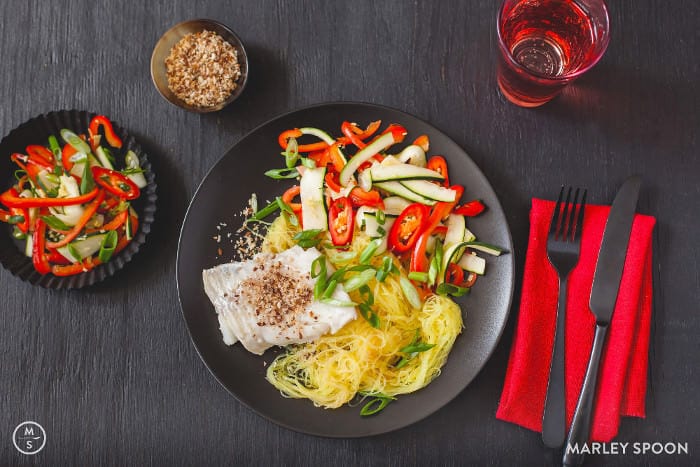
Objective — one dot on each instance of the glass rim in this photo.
(562, 78)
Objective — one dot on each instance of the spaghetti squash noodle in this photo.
(360, 358)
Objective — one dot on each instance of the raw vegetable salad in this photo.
(403, 201)
(70, 205)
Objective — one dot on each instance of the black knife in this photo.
(606, 284)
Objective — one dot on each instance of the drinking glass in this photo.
(546, 44)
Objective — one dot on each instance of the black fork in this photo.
(563, 247)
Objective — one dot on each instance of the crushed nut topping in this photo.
(277, 294)
(202, 69)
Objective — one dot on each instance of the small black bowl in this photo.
(37, 131)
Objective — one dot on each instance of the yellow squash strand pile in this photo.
(360, 358)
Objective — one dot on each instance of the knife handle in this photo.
(581, 426)
(554, 417)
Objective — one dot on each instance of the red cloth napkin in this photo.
(623, 373)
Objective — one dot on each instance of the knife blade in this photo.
(606, 285)
(613, 250)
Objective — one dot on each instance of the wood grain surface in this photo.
(110, 371)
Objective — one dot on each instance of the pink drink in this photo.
(546, 44)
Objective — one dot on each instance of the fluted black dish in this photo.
(37, 131)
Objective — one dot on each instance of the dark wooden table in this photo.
(110, 371)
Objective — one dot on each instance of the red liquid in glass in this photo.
(548, 39)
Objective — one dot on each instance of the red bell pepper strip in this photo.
(283, 138)
(335, 157)
(116, 183)
(66, 154)
(332, 181)
(24, 225)
(289, 195)
(347, 129)
(94, 128)
(54, 257)
(75, 268)
(72, 233)
(419, 260)
(39, 258)
(470, 209)
(439, 165)
(14, 201)
(398, 131)
(341, 221)
(408, 227)
(443, 208)
(117, 222)
(40, 153)
(423, 141)
(359, 133)
(371, 198)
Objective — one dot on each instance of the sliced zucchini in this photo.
(364, 155)
(313, 206)
(364, 180)
(102, 158)
(132, 162)
(468, 235)
(452, 255)
(393, 205)
(456, 226)
(398, 172)
(473, 263)
(47, 181)
(414, 155)
(430, 190)
(320, 134)
(397, 188)
(486, 248)
(29, 246)
(78, 250)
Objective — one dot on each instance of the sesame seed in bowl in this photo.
(199, 65)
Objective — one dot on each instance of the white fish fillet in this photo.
(228, 288)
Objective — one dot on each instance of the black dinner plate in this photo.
(37, 131)
(213, 215)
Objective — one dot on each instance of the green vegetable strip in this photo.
(109, 244)
(359, 280)
(376, 405)
(282, 174)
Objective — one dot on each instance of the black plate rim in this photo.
(510, 256)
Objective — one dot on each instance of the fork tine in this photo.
(554, 226)
(579, 221)
(572, 218)
(564, 230)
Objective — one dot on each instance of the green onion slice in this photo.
(369, 251)
(75, 141)
(366, 294)
(410, 292)
(359, 280)
(376, 405)
(328, 293)
(282, 174)
(450, 289)
(418, 276)
(369, 315)
(109, 243)
(55, 223)
(291, 153)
